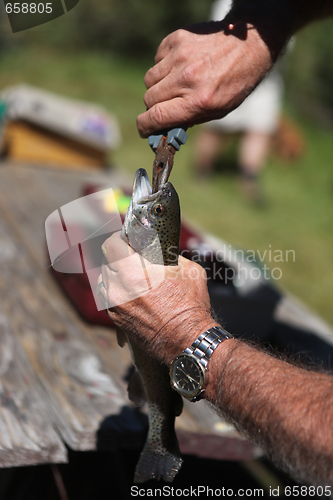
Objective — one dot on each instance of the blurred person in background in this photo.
(256, 119)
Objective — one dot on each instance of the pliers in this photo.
(165, 144)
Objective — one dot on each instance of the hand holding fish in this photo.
(157, 312)
(166, 318)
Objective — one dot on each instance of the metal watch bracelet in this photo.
(204, 346)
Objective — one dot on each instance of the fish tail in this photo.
(157, 465)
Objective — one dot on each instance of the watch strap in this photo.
(204, 346)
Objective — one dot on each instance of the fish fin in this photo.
(154, 465)
(178, 402)
(136, 390)
(121, 337)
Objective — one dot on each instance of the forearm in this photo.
(284, 409)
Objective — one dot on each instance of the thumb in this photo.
(164, 115)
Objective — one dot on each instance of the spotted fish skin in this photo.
(152, 234)
(152, 228)
(160, 457)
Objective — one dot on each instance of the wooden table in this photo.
(61, 379)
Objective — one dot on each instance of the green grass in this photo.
(299, 213)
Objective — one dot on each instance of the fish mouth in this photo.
(142, 190)
(142, 193)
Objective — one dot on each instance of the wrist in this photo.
(275, 21)
(188, 370)
(185, 333)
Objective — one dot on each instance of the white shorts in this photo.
(258, 113)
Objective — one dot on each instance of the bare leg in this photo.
(253, 153)
(207, 148)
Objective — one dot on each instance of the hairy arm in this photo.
(285, 409)
(205, 71)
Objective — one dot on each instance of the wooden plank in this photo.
(29, 195)
(78, 391)
(27, 436)
(26, 433)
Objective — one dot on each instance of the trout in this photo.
(152, 228)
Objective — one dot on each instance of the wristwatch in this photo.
(187, 371)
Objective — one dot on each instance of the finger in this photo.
(109, 294)
(169, 42)
(164, 48)
(157, 72)
(114, 250)
(193, 270)
(163, 115)
(100, 282)
(108, 278)
(188, 270)
(187, 265)
(101, 292)
(106, 275)
(133, 280)
(165, 90)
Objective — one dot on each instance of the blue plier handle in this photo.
(165, 144)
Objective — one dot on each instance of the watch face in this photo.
(187, 375)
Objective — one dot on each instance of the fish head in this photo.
(152, 222)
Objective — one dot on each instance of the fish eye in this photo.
(158, 209)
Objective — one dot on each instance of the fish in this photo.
(152, 228)
(152, 222)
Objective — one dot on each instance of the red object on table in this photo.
(77, 285)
